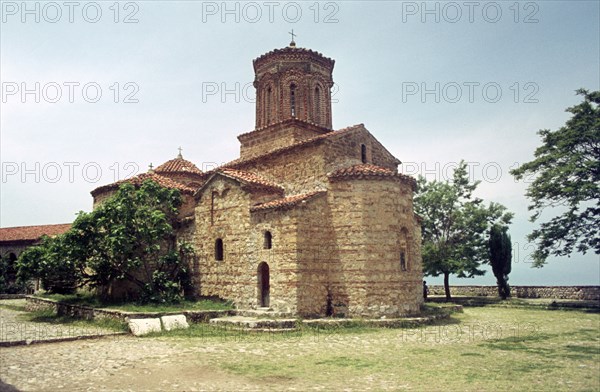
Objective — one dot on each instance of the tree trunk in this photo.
(447, 286)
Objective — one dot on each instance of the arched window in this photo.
(219, 249)
(317, 105)
(268, 108)
(363, 153)
(267, 243)
(293, 99)
(402, 260)
(404, 249)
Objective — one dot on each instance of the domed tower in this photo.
(293, 99)
(182, 171)
(293, 83)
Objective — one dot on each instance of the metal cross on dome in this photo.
(180, 156)
(292, 34)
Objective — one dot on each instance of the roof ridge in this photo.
(292, 146)
(286, 201)
(159, 179)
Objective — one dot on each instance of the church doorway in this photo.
(263, 285)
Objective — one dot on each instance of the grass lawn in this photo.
(484, 348)
(88, 299)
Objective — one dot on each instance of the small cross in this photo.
(292, 34)
(150, 167)
(180, 156)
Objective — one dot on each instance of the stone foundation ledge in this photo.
(405, 322)
(12, 296)
(88, 313)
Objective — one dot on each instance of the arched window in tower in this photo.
(317, 105)
(363, 153)
(219, 249)
(268, 240)
(268, 108)
(293, 100)
(404, 249)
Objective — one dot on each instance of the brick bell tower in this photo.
(293, 99)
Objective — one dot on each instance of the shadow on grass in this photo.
(531, 345)
(49, 317)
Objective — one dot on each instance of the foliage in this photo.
(46, 261)
(130, 237)
(567, 173)
(500, 248)
(454, 226)
(8, 278)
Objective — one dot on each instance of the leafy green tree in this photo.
(8, 277)
(130, 237)
(500, 248)
(454, 227)
(567, 174)
(46, 261)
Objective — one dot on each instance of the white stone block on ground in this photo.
(174, 322)
(145, 326)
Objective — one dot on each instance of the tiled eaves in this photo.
(178, 165)
(140, 178)
(31, 233)
(311, 125)
(368, 172)
(246, 179)
(251, 179)
(283, 150)
(286, 202)
(292, 52)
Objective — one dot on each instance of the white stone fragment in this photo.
(174, 322)
(145, 326)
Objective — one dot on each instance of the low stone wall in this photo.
(587, 293)
(85, 312)
(12, 296)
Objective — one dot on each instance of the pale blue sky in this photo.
(383, 50)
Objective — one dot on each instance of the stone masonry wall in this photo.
(345, 151)
(589, 293)
(369, 217)
(235, 277)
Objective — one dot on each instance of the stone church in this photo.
(308, 220)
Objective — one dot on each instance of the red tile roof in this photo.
(289, 50)
(32, 233)
(178, 165)
(366, 170)
(285, 202)
(306, 123)
(139, 179)
(251, 179)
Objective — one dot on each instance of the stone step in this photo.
(263, 312)
(254, 323)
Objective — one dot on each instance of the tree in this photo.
(500, 248)
(46, 261)
(454, 226)
(130, 237)
(567, 173)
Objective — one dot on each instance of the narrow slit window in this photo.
(293, 100)
(317, 105)
(219, 249)
(268, 110)
(403, 261)
(268, 240)
(363, 153)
